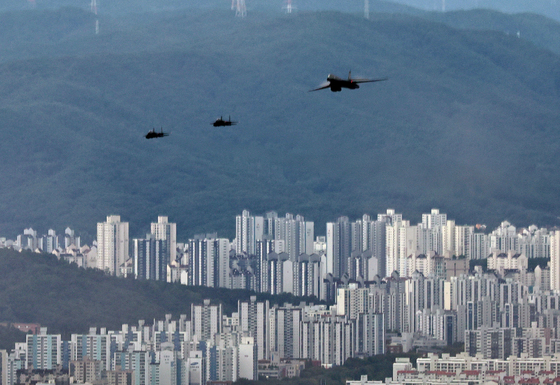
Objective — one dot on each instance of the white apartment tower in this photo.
(389, 245)
(112, 245)
(292, 235)
(165, 231)
(438, 233)
(43, 350)
(253, 319)
(463, 239)
(209, 262)
(401, 240)
(247, 366)
(390, 217)
(248, 230)
(297, 234)
(448, 232)
(555, 261)
(479, 248)
(206, 320)
(434, 219)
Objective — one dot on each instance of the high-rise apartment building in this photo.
(555, 260)
(307, 275)
(253, 319)
(86, 370)
(292, 235)
(247, 357)
(297, 234)
(164, 369)
(285, 331)
(209, 262)
(436, 233)
(222, 358)
(151, 258)
(112, 245)
(138, 362)
(339, 246)
(279, 271)
(370, 334)
(43, 350)
(167, 232)
(206, 320)
(70, 238)
(367, 247)
(92, 346)
(248, 230)
(390, 217)
(479, 246)
(434, 219)
(463, 239)
(400, 242)
(119, 377)
(504, 238)
(264, 248)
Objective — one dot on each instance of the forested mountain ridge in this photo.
(38, 288)
(467, 121)
(549, 8)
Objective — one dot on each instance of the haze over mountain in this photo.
(549, 8)
(467, 121)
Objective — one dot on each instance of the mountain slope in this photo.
(37, 288)
(467, 123)
(537, 29)
(548, 8)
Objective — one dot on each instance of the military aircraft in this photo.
(221, 122)
(336, 84)
(154, 134)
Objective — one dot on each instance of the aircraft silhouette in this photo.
(336, 84)
(154, 134)
(221, 122)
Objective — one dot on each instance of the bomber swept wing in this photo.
(336, 83)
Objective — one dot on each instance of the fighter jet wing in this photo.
(323, 86)
(368, 80)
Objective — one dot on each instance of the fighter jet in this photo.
(336, 84)
(154, 134)
(221, 122)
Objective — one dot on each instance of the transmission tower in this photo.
(366, 9)
(289, 7)
(239, 6)
(94, 11)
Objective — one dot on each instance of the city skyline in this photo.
(479, 226)
(282, 254)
